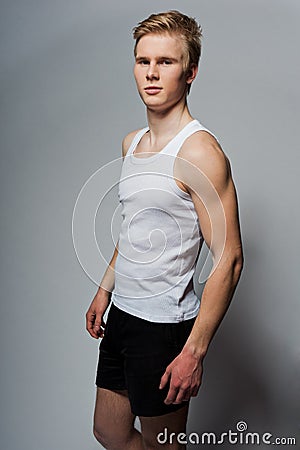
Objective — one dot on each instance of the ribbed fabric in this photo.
(160, 238)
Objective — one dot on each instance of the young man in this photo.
(176, 191)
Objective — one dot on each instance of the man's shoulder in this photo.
(203, 151)
(202, 148)
(128, 140)
(201, 144)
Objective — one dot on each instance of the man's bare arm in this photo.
(95, 324)
(205, 171)
(94, 317)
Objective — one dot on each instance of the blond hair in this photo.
(174, 22)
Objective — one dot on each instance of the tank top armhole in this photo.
(138, 136)
(196, 126)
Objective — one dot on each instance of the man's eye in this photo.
(143, 62)
(166, 62)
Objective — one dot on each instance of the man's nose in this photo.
(152, 72)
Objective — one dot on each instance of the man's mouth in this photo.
(151, 90)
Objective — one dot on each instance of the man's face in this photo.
(159, 72)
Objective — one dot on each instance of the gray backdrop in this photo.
(67, 99)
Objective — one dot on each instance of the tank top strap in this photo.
(136, 140)
(191, 128)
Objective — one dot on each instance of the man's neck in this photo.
(167, 124)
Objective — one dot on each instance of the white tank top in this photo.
(160, 237)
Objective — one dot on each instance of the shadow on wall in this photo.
(245, 376)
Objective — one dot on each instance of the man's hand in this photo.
(184, 373)
(95, 324)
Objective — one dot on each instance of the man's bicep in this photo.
(212, 220)
(205, 171)
(218, 218)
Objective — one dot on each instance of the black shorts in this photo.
(134, 354)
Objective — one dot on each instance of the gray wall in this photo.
(67, 99)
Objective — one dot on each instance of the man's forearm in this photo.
(216, 298)
(108, 281)
(94, 316)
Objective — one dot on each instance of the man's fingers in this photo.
(94, 316)
(172, 394)
(94, 325)
(164, 379)
(90, 319)
(182, 396)
(194, 392)
(91, 331)
(102, 329)
(97, 325)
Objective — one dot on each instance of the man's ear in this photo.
(192, 73)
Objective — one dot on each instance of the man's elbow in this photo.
(237, 264)
(231, 263)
